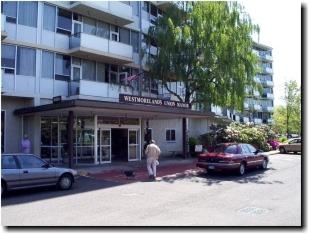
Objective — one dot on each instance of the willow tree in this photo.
(207, 46)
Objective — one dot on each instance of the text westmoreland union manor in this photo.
(152, 101)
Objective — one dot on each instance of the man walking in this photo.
(152, 152)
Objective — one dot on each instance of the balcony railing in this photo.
(113, 12)
(101, 49)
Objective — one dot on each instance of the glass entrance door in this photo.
(104, 145)
(133, 147)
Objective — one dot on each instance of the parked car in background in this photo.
(20, 171)
(233, 156)
(293, 145)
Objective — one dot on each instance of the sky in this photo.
(280, 28)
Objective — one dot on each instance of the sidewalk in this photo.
(115, 171)
(167, 167)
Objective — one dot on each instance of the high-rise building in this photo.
(74, 79)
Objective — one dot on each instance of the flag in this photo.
(132, 77)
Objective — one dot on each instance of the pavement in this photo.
(168, 167)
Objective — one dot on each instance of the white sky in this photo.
(280, 28)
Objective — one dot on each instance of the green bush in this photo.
(257, 135)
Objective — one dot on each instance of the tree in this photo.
(288, 118)
(207, 46)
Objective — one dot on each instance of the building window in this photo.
(124, 36)
(26, 60)
(64, 25)
(8, 59)
(89, 70)
(103, 30)
(89, 26)
(100, 72)
(170, 135)
(63, 67)
(135, 7)
(49, 17)
(47, 64)
(114, 33)
(28, 13)
(134, 41)
(9, 9)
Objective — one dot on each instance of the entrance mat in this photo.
(141, 174)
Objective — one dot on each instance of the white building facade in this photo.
(66, 68)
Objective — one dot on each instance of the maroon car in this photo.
(233, 156)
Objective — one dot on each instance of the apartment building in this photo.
(259, 107)
(74, 80)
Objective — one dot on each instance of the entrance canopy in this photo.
(112, 109)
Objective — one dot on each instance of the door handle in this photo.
(25, 171)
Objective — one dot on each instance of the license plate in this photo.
(211, 167)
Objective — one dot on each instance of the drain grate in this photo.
(251, 210)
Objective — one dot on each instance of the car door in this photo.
(256, 159)
(33, 171)
(10, 171)
(246, 154)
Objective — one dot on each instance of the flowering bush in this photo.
(257, 135)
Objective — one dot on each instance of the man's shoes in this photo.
(151, 177)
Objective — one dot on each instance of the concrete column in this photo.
(70, 137)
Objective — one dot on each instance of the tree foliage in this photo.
(208, 47)
(287, 119)
(257, 135)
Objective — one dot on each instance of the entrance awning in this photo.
(84, 107)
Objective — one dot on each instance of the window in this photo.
(231, 149)
(64, 25)
(100, 72)
(88, 68)
(8, 162)
(114, 33)
(124, 36)
(26, 61)
(49, 17)
(170, 135)
(103, 30)
(9, 9)
(8, 58)
(135, 7)
(146, 6)
(28, 13)
(28, 161)
(47, 64)
(89, 26)
(134, 41)
(63, 67)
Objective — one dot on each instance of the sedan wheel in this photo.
(282, 150)
(242, 169)
(65, 182)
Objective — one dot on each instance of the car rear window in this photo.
(232, 149)
(8, 162)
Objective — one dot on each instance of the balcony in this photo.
(268, 83)
(257, 121)
(266, 57)
(267, 70)
(268, 109)
(101, 49)
(268, 95)
(3, 32)
(257, 107)
(108, 11)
